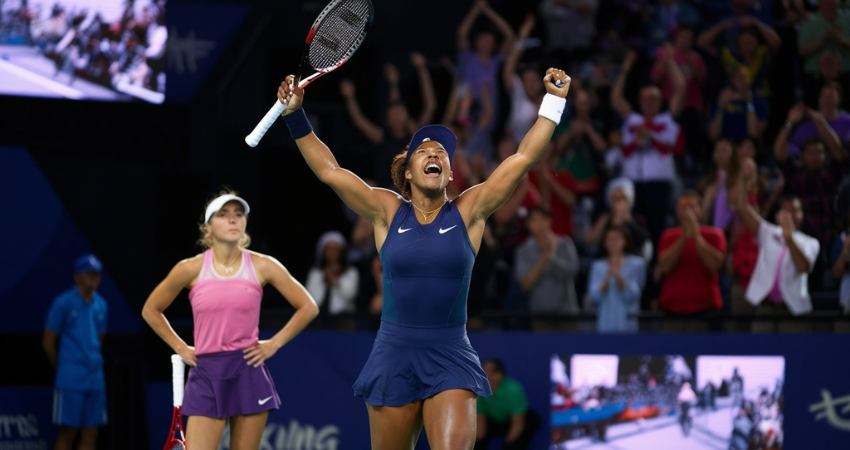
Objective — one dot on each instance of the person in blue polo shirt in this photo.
(77, 322)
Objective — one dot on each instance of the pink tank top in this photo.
(226, 309)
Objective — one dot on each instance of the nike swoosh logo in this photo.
(442, 231)
(403, 230)
(263, 401)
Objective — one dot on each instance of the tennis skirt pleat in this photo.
(409, 364)
(224, 385)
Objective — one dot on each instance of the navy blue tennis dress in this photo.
(422, 348)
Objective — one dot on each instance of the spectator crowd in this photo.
(83, 42)
(697, 170)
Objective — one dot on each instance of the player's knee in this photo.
(88, 435)
(456, 440)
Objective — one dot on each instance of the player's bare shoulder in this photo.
(465, 204)
(191, 263)
(187, 271)
(390, 202)
(265, 266)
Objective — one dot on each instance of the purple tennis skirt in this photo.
(409, 364)
(224, 385)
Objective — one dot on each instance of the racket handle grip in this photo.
(178, 370)
(254, 138)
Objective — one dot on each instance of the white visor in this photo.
(216, 204)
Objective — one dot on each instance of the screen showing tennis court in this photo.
(628, 402)
(110, 50)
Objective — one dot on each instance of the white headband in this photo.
(216, 205)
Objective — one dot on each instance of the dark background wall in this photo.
(133, 178)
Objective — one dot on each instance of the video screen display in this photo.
(652, 402)
(110, 50)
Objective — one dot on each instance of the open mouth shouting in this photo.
(433, 170)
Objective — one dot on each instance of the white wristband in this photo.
(552, 108)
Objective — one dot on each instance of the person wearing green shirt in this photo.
(825, 35)
(506, 412)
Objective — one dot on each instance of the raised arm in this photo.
(780, 144)
(748, 215)
(767, 205)
(677, 101)
(369, 130)
(426, 87)
(618, 101)
(502, 24)
(370, 203)
(490, 195)
(393, 79)
(466, 24)
(658, 72)
(163, 296)
(706, 39)
(828, 136)
(768, 34)
(516, 51)
(451, 103)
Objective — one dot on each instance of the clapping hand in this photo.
(786, 221)
(690, 227)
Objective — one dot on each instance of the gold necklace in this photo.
(228, 268)
(428, 214)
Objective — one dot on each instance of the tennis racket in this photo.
(176, 440)
(334, 37)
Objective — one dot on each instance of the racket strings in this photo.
(339, 34)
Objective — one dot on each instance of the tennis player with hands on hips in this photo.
(229, 379)
(422, 370)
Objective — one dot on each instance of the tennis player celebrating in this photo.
(422, 369)
(229, 379)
